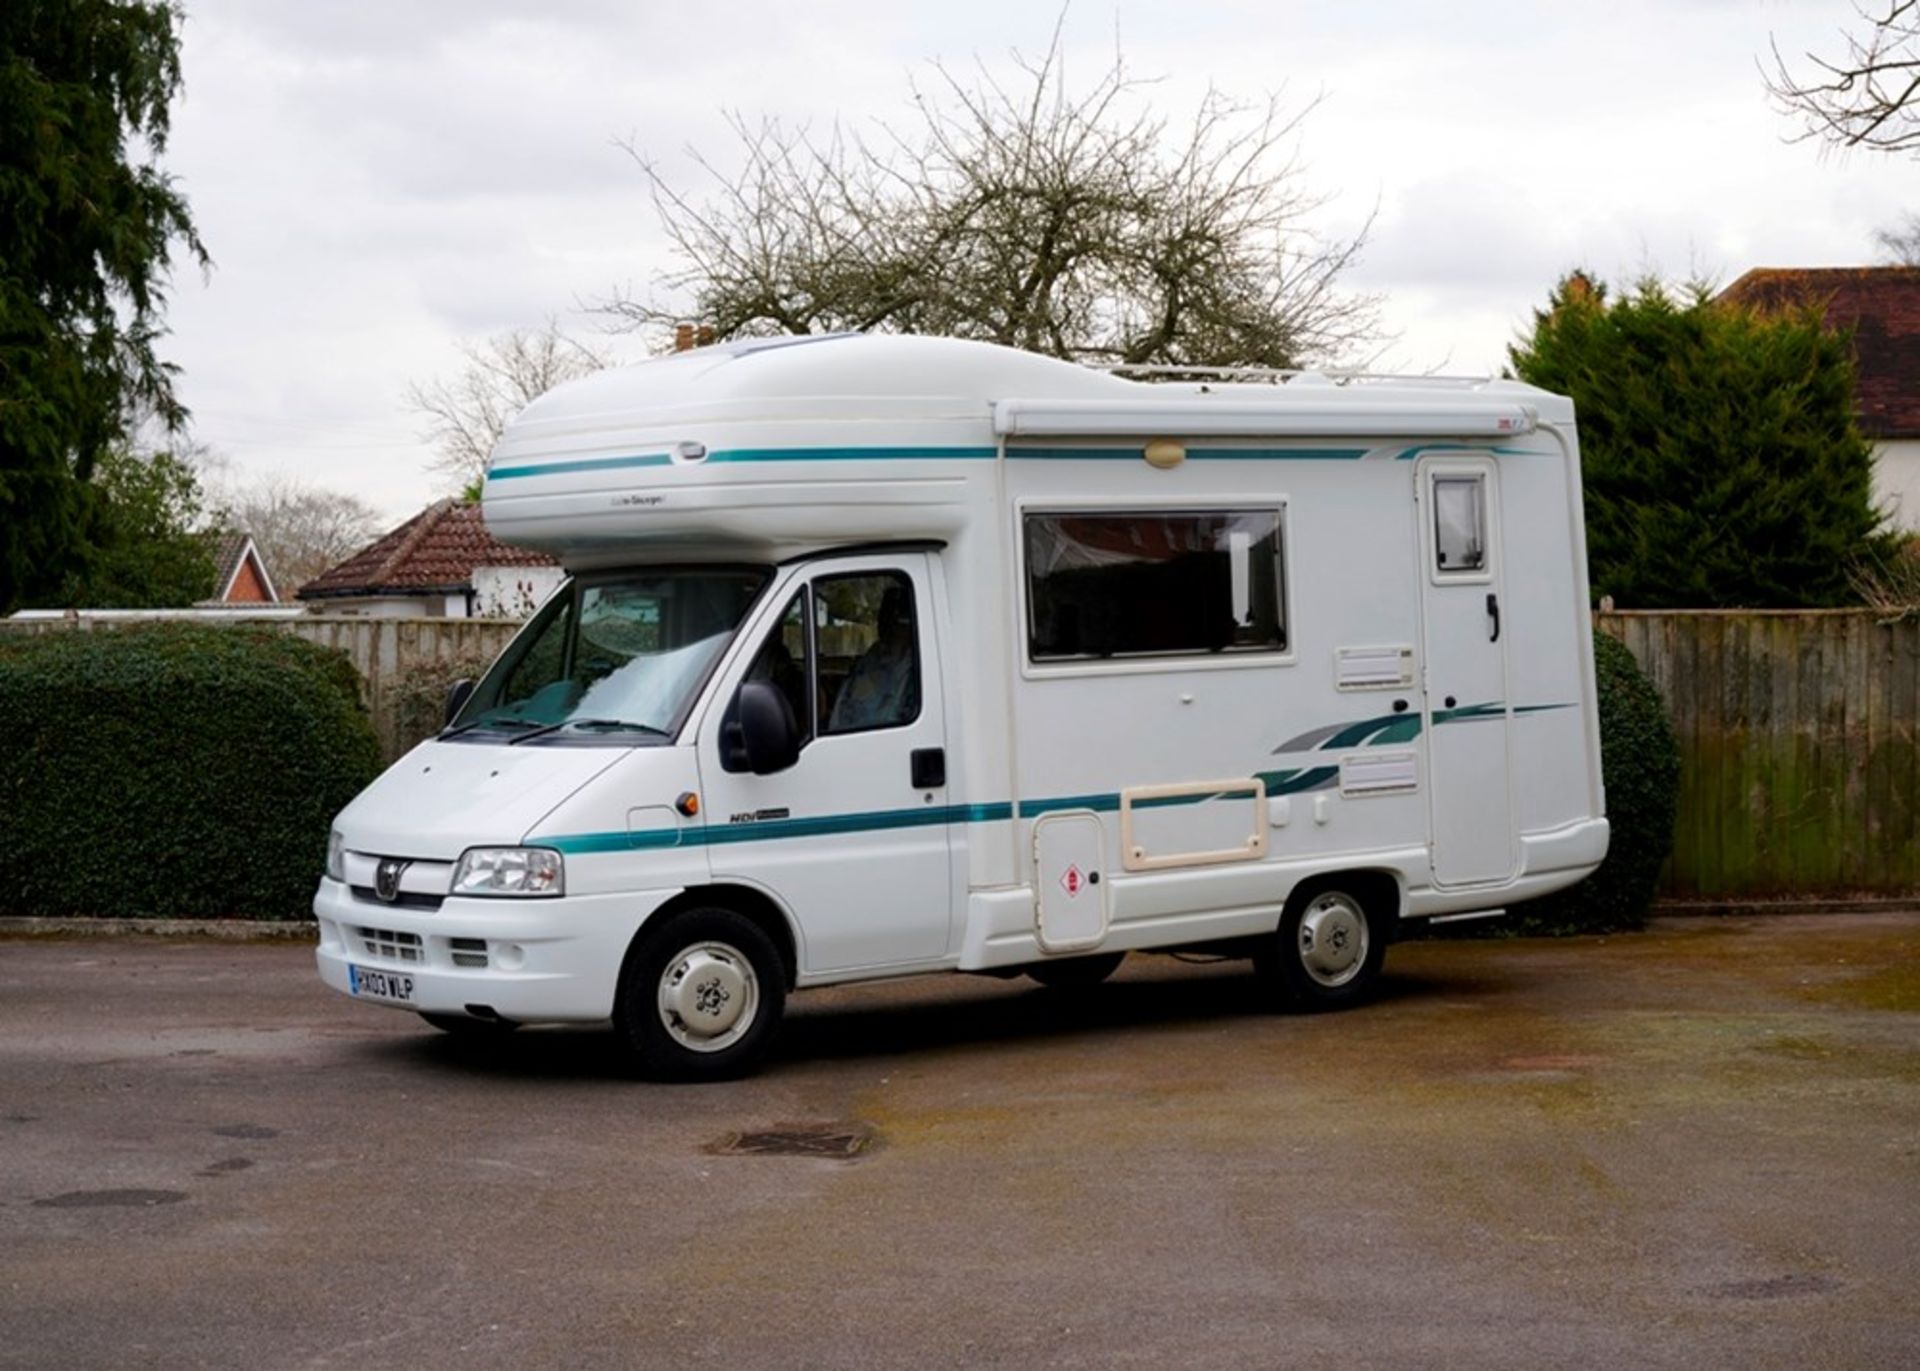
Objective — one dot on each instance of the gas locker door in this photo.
(1468, 715)
(1070, 890)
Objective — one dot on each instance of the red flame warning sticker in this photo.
(1073, 882)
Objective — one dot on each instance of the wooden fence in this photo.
(1797, 731)
(390, 655)
(1799, 734)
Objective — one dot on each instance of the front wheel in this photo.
(1329, 948)
(700, 996)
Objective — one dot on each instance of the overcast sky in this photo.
(377, 181)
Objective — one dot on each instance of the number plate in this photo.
(392, 986)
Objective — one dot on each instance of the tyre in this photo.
(461, 1026)
(700, 996)
(1076, 973)
(1329, 947)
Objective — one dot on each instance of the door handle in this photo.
(1493, 608)
(928, 766)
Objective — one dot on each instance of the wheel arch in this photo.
(1381, 889)
(744, 900)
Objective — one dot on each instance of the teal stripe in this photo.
(1209, 454)
(1386, 728)
(1469, 448)
(718, 835)
(748, 454)
(853, 454)
(729, 456)
(1277, 454)
(1075, 454)
(1033, 809)
(645, 459)
(1292, 782)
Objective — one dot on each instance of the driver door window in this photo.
(867, 637)
(785, 663)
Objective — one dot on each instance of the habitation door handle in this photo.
(1493, 608)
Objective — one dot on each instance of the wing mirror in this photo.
(768, 732)
(457, 695)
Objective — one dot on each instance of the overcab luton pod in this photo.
(887, 655)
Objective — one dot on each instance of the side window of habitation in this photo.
(1460, 523)
(1150, 583)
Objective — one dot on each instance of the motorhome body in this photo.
(889, 655)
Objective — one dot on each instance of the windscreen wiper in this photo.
(607, 724)
(471, 724)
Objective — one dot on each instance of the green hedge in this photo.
(1641, 765)
(174, 770)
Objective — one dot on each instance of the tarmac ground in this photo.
(1693, 1146)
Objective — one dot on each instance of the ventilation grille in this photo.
(406, 899)
(469, 952)
(395, 947)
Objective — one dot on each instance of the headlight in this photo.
(336, 856)
(509, 871)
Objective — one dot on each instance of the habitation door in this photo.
(853, 838)
(1465, 638)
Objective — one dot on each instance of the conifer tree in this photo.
(1721, 463)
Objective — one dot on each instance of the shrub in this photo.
(1718, 450)
(417, 695)
(1641, 764)
(174, 770)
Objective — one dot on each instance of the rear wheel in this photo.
(1329, 947)
(700, 996)
(1076, 973)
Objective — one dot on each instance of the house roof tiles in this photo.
(1881, 305)
(434, 552)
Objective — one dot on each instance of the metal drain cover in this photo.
(838, 1140)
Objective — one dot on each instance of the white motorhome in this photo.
(887, 655)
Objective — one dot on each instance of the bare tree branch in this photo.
(1009, 207)
(300, 530)
(502, 376)
(1870, 98)
(1899, 243)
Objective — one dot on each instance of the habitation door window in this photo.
(1460, 523)
(1133, 584)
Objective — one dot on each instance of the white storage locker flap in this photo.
(1373, 668)
(1379, 773)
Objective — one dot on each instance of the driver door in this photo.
(853, 837)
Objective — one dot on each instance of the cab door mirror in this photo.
(768, 732)
(457, 696)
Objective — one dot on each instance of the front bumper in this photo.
(533, 961)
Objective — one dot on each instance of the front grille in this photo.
(395, 947)
(469, 952)
(406, 899)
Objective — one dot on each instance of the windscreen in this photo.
(617, 657)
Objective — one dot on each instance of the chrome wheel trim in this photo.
(1334, 939)
(709, 996)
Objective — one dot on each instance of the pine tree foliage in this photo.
(1719, 455)
(88, 225)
